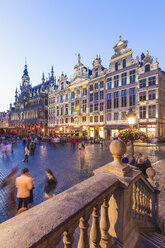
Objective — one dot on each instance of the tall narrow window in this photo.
(142, 112)
(116, 66)
(152, 111)
(116, 99)
(147, 68)
(124, 63)
(132, 76)
(116, 81)
(109, 83)
(132, 97)
(124, 78)
(124, 98)
(109, 101)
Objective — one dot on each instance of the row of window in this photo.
(151, 82)
(151, 95)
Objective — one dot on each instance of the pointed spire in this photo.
(120, 37)
(25, 72)
(79, 58)
(43, 78)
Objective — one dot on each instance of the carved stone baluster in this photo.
(83, 240)
(141, 201)
(104, 224)
(68, 238)
(95, 234)
(134, 205)
(145, 204)
(138, 200)
(148, 205)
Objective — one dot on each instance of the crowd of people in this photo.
(142, 162)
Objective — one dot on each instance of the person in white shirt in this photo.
(24, 184)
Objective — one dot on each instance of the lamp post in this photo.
(131, 120)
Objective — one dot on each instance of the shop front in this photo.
(96, 132)
(112, 131)
(149, 128)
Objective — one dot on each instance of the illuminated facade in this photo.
(30, 112)
(95, 102)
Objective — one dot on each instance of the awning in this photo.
(7, 127)
(116, 126)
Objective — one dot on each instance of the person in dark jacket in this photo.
(147, 161)
(50, 184)
(142, 166)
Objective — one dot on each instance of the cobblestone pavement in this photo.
(64, 161)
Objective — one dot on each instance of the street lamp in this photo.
(131, 120)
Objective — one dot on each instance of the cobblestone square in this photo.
(64, 161)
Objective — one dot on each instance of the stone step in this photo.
(153, 240)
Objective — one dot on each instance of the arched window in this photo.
(147, 68)
(116, 66)
(124, 63)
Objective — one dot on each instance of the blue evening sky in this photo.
(52, 32)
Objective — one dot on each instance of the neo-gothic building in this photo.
(95, 102)
(30, 111)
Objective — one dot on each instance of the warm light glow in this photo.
(84, 127)
(131, 120)
(43, 130)
(60, 128)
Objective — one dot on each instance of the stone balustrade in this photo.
(106, 210)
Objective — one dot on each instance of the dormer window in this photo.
(147, 68)
(116, 66)
(124, 63)
(62, 85)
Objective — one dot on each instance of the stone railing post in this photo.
(95, 234)
(104, 224)
(83, 240)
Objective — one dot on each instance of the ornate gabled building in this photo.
(68, 104)
(30, 112)
(96, 102)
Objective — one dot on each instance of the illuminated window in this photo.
(142, 96)
(152, 111)
(142, 112)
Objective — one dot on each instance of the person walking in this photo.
(23, 184)
(50, 185)
(82, 156)
(27, 152)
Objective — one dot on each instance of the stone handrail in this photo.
(43, 225)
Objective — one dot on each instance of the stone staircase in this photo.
(153, 240)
